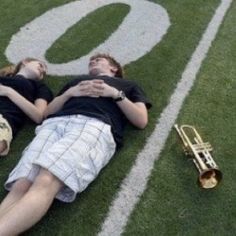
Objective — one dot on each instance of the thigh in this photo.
(84, 141)
(46, 135)
(77, 158)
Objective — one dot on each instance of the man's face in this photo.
(101, 65)
(36, 69)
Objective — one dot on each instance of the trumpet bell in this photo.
(209, 178)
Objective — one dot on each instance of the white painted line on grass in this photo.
(136, 181)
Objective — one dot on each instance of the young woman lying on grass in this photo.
(22, 95)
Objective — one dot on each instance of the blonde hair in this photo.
(21, 64)
(7, 70)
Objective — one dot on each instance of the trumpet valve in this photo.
(201, 147)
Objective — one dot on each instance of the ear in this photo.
(114, 69)
(23, 63)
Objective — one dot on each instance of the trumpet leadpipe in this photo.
(180, 133)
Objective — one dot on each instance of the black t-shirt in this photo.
(103, 108)
(28, 88)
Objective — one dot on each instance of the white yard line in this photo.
(136, 181)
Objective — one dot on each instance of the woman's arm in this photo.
(33, 111)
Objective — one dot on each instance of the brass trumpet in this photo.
(209, 173)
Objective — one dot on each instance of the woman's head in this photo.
(31, 68)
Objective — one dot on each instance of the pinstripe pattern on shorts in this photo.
(73, 148)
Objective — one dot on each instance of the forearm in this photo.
(81, 89)
(136, 113)
(33, 112)
(56, 104)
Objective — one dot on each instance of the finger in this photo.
(98, 86)
(98, 81)
(86, 86)
(91, 94)
(85, 82)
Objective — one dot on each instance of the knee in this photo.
(45, 179)
(21, 186)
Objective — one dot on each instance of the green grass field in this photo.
(172, 204)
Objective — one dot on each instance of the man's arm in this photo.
(136, 113)
(33, 111)
(56, 104)
(84, 88)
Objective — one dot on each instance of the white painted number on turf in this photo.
(140, 31)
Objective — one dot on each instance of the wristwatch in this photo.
(121, 96)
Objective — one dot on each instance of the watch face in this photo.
(120, 97)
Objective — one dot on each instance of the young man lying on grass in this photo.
(83, 129)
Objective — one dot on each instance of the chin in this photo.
(94, 72)
(38, 77)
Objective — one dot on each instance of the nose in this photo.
(91, 63)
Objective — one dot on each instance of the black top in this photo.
(28, 88)
(103, 108)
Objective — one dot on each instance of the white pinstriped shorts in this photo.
(73, 148)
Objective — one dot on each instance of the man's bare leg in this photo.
(18, 190)
(32, 206)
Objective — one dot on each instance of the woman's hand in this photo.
(5, 90)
